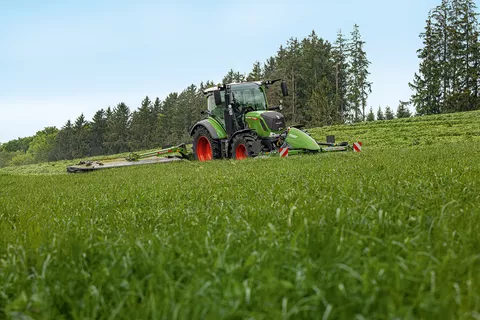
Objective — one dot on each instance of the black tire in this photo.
(201, 135)
(242, 143)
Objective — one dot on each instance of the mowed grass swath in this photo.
(389, 232)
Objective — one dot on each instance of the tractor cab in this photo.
(239, 106)
(244, 98)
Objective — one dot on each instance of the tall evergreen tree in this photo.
(389, 114)
(256, 74)
(155, 116)
(63, 147)
(142, 126)
(340, 58)
(426, 84)
(403, 111)
(380, 115)
(233, 76)
(118, 129)
(370, 116)
(81, 137)
(98, 128)
(359, 86)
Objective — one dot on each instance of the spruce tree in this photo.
(63, 147)
(233, 76)
(380, 115)
(256, 74)
(427, 82)
(370, 116)
(118, 128)
(142, 126)
(81, 137)
(340, 59)
(403, 111)
(98, 127)
(359, 86)
(389, 114)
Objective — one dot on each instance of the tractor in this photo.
(237, 124)
(240, 124)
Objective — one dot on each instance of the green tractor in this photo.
(240, 124)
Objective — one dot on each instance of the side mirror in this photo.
(284, 87)
(218, 97)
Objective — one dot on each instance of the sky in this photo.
(59, 59)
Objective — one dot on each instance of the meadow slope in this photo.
(392, 232)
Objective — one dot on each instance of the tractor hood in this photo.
(275, 120)
(297, 139)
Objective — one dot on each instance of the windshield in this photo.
(245, 95)
(249, 95)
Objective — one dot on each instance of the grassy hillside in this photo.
(424, 131)
(398, 133)
(392, 232)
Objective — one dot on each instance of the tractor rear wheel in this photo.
(205, 148)
(242, 147)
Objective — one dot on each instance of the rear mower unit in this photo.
(237, 124)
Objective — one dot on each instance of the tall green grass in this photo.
(392, 232)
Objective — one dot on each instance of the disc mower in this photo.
(237, 124)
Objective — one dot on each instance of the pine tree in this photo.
(371, 116)
(380, 115)
(440, 32)
(63, 146)
(166, 127)
(340, 59)
(359, 86)
(142, 127)
(463, 39)
(118, 129)
(403, 111)
(233, 76)
(389, 114)
(427, 82)
(269, 68)
(155, 116)
(98, 127)
(81, 137)
(322, 110)
(256, 74)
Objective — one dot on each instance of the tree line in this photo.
(448, 78)
(328, 85)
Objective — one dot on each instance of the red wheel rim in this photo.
(204, 149)
(240, 152)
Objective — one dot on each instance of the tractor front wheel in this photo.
(242, 147)
(205, 148)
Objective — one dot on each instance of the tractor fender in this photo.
(208, 126)
(237, 133)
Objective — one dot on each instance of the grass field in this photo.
(392, 232)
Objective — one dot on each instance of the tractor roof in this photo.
(211, 89)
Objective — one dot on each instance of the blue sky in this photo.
(59, 59)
